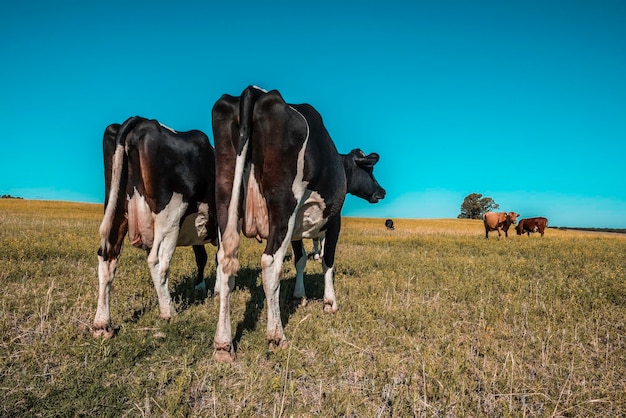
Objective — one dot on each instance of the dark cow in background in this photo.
(528, 225)
(389, 224)
(279, 177)
(499, 221)
(160, 189)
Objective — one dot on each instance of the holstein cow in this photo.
(499, 221)
(279, 177)
(529, 225)
(389, 224)
(160, 189)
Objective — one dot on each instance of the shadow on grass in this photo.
(247, 278)
(184, 291)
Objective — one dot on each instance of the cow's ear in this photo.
(367, 161)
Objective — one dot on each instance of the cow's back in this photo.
(492, 219)
(323, 170)
(166, 169)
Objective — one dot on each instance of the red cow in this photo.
(529, 225)
(499, 221)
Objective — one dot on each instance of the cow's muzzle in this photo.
(379, 195)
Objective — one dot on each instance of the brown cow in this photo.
(529, 225)
(499, 221)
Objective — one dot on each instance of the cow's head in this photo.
(512, 217)
(360, 176)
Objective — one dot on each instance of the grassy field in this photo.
(433, 320)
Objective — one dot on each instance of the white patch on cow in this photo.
(109, 213)
(310, 216)
(202, 219)
(310, 219)
(224, 285)
(260, 88)
(330, 301)
(167, 127)
(272, 269)
(299, 186)
(106, 273)
(168, 219)
(166, 227)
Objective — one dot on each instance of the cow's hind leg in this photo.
(328, 264)
(166, 228)
(108, 256)
(299, 258)
(201, 260)
(106, 274)
(272, 267)
(317, 256)
(224, 285)
(159, 263)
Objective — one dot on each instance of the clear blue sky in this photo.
(522, 101)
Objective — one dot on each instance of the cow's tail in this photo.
(230, 237)
(117, 169)
(246, 109)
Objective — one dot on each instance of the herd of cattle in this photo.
(274, 175)
(502, 221)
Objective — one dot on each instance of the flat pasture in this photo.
(433, 320)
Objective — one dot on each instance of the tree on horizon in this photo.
(474, 205)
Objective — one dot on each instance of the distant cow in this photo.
(389, 224)
(499, 221)
(160, 189)
(279, 177)
(528, 225)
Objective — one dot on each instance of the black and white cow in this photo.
(279, 177)
(160, 189)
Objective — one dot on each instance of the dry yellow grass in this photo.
(434, 320)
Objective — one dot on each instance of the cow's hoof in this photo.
(281, 345)
(201, 288)
(299, 302)
(104, 332)
(224, 353)
(166, 317)
(330, 307)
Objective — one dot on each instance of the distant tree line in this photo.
(8, 196)
(614, 230)
(474, 205)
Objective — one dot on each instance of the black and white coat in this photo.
(160, 190)
(280, 178)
